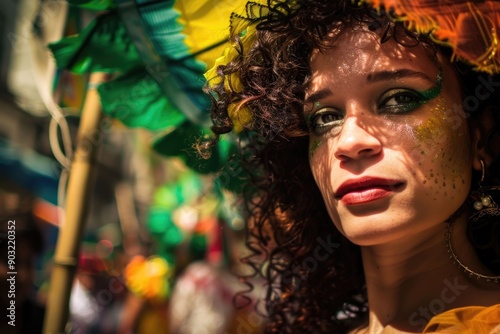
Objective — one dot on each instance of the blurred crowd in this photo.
(119, 291)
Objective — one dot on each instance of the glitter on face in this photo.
(431, 129)
(438, 132)
(392, 128)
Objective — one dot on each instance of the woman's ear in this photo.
(480, 129)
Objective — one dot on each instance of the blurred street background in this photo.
(160, 230)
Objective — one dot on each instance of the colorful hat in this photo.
(469, 28)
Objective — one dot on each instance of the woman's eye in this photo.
(400, 101)
(324, 119)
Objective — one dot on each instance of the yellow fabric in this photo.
(466, 320)
(240, 115)
(205, 23)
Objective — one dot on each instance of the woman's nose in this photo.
(356, 140)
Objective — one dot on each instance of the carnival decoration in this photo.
(149, 277)
(470, 28)
(158, 52)
(146, 62)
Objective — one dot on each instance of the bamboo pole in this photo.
(70, 233)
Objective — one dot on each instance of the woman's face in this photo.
(389, 145)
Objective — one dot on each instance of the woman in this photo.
(374, 171)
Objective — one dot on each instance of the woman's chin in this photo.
(373, 233)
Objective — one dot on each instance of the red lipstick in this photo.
(366, 189)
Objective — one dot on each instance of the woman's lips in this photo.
(367, 189)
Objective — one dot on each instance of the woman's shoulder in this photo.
(467, 320)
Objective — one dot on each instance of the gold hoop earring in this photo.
(459, 263)
(486, 211)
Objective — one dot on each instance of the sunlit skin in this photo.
(373, 139)
(388, 112)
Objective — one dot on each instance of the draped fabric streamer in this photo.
(159, 51)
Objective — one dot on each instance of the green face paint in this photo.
(433, 92)
(400, 101)
(314, 146)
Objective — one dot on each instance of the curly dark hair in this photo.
(314, 274)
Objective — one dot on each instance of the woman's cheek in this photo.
(318, 161)
(313, 146)
(443, 152)
(322, 161)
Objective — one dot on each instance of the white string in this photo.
(58, 121)
(61, 156)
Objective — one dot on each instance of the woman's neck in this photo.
(412, 279)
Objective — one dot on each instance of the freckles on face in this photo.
(374, 124)
(443, 143)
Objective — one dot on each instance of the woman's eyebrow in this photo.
(396, 74)
(372, 77)
(318, 95)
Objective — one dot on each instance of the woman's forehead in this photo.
(359, 49)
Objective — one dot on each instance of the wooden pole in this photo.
(70, 232)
